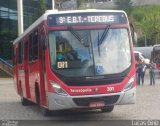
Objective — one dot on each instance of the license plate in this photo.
(96, 104)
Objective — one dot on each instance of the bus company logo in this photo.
(96, 90)
(86, 90)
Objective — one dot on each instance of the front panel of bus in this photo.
(156, 56)
(91, 60)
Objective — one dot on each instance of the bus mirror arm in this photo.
(43, 43)
(135, 38)
(133, 34)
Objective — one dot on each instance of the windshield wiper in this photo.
(100, 40)
(78, 37)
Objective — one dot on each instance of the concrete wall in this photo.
(146, 51)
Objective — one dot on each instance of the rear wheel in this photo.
(108, 109)
(24, 101)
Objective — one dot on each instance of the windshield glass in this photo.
(81, 53)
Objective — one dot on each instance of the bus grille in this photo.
(108, 100)
(93, 82)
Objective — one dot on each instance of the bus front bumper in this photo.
(59, 102)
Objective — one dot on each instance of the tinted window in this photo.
(20, 53)
(30, 48)
(33, 46)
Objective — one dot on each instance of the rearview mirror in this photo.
(43, 42)
(135, 38)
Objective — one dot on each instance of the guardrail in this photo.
(5, 66)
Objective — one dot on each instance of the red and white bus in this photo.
(76, 59)
(156, 56)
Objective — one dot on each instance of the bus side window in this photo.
(20, 52)
(30, 47)
(35, 45)
(14, 55)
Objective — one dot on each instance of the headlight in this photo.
(130, 84)
(57, 88)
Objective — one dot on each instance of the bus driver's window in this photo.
(60, 50)
(52, 44)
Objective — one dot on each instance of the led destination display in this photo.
(87, 19)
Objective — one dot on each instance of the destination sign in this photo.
(87, 19)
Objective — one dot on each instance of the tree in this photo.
(81, 4)
(5, 43)
(40, 9)
(147, 22)
(125, 5)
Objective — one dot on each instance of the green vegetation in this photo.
(40, 9)
(146, 20)
(125, 5)
(82, 4)
(5, 43)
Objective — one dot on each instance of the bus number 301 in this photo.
(109, 89)
(62, 65)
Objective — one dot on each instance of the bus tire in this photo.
(108, 109)
(45, 111)
(37, 95)
(24, 101)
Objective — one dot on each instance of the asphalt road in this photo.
(147, 106)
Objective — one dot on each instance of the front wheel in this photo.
(24, 101)
(45, 111)
(108, 109)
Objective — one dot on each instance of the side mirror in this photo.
(135, 38)
(133, 34)
(43, 42)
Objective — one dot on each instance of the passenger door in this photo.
(42, 67)
(21, 71)
(26, 68)
(33, 64)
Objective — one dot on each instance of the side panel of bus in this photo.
(33, 64)
(36, 66)
(29, 66)
(26, 68)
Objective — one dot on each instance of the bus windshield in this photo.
(89, 52)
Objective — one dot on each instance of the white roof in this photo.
(156, 45)
(48, 12)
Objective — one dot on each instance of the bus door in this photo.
(42, 70)
(33, 63)
(21, 72)
(26, 69)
